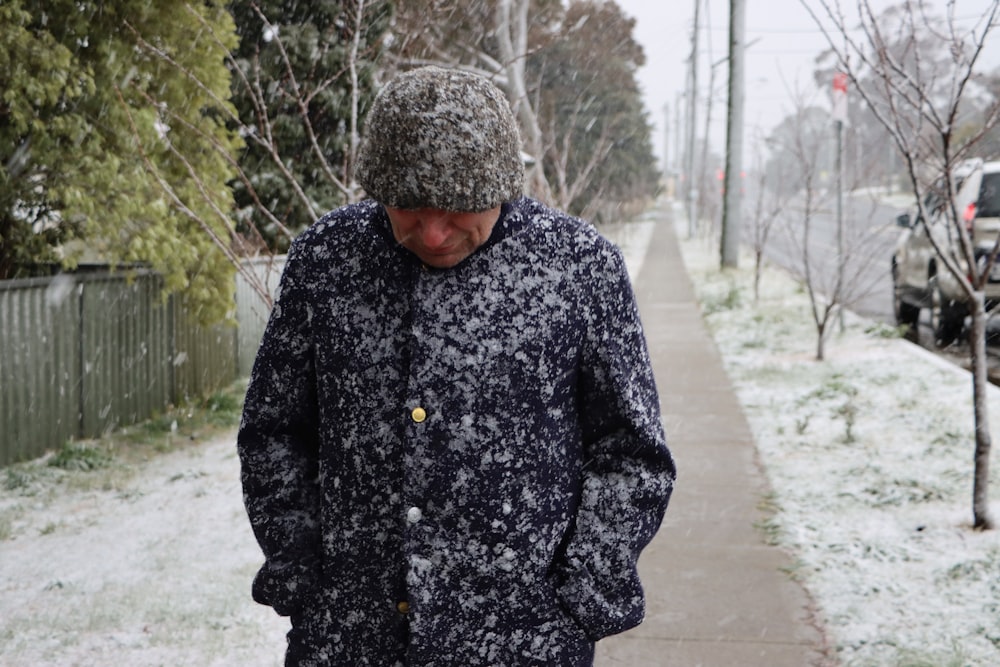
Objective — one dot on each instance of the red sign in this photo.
(840, 97)
(840, 82)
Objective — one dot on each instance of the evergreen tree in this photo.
(599, 146)
(39, 81)
(112, 132)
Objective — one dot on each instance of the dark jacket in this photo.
(482, 443)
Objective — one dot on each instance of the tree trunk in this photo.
(821, 338)
(758, 268)
(353, 190)
(512, 24)
(977, 349)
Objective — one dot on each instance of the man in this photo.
(451, 445)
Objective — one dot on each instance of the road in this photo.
(868, 237)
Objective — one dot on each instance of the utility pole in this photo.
(839, 134)
(678, 133)
(730, 246)
(692, 105)
(666, 142)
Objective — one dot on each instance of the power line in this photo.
(818, 31)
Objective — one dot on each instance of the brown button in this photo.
(403, 607)
(418, 415)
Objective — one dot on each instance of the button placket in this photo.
(420, 422)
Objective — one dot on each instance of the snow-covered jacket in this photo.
(453, 466)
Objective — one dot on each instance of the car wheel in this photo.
(947, 317)
(907, 314)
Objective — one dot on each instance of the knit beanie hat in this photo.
(444, 139)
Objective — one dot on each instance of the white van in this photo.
(920, 279)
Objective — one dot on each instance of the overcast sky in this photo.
(784, 42)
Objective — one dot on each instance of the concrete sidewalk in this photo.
(717, 595)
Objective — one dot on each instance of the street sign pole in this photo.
(839, 118)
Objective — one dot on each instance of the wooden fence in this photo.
(81, 354)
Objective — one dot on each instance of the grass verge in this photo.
(110, 462)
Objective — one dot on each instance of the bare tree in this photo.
(806, 147)
(511, 26)
(921, 108)
(768, 203)
(834, 260)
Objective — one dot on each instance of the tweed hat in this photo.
(438, 138)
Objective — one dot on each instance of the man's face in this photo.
(440, 238)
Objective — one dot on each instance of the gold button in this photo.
(418, 415)
(403, 607)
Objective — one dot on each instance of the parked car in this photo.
(920, 279)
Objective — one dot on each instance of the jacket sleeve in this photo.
(628, 471)
(278, 449)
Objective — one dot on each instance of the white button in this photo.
(413, 515)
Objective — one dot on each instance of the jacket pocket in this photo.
(601, 606)
(284, 587)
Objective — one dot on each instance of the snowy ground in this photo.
(153, 569)
(869, 455)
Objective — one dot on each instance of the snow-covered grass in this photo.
(149, 562)
(136, 555)
(869, 455)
